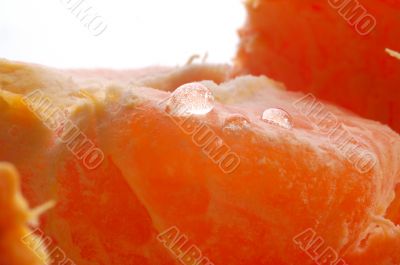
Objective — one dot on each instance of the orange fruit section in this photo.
(260, 179)
(333, 49)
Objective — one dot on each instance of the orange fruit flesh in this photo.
(156, 173)
(312, 47)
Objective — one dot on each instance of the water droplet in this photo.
(278, 117)
(189, 99)
(236, 122)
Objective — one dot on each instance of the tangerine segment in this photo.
(241, 194)
(323, 47)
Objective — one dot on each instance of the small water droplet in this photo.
(278, 117)
(236, 122)
(190, 99)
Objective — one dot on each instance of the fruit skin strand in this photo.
(310, 47)
(18, 244)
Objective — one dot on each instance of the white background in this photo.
(139, 33)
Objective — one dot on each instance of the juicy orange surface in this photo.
(156, 174)
(316, 46)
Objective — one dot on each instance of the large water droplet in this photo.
(236, 122)
(190, 99)
(277, 117)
